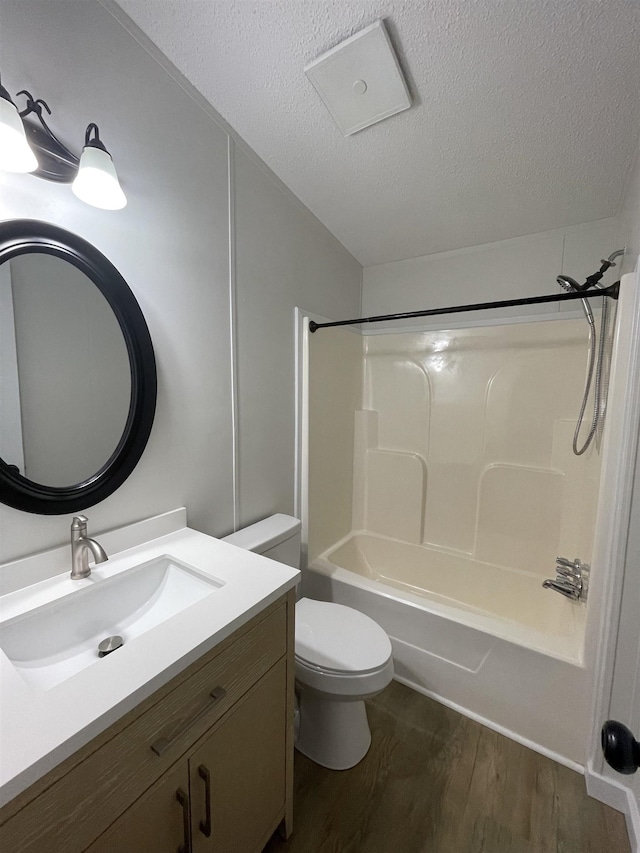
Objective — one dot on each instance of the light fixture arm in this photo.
(57, 162)
(96, 142)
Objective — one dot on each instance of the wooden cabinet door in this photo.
(239, 772)
(155, 823)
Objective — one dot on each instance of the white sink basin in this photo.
(53, 641)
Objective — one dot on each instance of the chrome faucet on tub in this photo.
(572, 579)
(80, 547)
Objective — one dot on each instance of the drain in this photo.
(110, 644)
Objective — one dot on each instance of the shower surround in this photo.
(446, 511)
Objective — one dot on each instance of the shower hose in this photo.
(600, 389)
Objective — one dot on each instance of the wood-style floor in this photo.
(437, 782)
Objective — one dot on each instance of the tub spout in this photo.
(563, 587)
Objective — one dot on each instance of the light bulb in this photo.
(97, 182)
(15, 152)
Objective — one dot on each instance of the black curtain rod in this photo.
(611, 291)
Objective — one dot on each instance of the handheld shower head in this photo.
(571, 286)
(568, 283)
(600, 395)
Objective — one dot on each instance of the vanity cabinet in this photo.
(204, 764)
(237, 774)
(224, 796)
(154, 823)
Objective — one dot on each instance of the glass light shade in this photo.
(96, 182)
(15, 152)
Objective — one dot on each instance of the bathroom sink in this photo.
(53, 641)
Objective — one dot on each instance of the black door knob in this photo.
(621, 749)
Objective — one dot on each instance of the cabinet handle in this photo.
(183, 799)
(205, 825)
(163, 743)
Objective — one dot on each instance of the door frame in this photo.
(612, 533)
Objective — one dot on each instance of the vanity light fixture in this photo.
(30, 146)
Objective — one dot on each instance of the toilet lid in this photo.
(335, 637)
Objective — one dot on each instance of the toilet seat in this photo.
(340, 651)
(340, 640)
(344, 685)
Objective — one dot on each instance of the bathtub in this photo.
(483, 639)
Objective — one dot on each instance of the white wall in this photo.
(284, 259)
(628, 222)
(508, 269)
(172, 245)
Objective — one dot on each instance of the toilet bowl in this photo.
(342, 657)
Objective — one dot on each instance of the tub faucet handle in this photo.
(571, 579)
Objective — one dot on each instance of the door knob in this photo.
(621, 749)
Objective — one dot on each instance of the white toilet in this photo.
(342, 657)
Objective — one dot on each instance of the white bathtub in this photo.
(486, 640)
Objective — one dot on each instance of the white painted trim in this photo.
(298, 330)
(301, 467)
(633, 822)
(614, 501)
(608, 791)
(300, 407)
(613, 793)
(233, 330)
(502, 730)
(617, 483)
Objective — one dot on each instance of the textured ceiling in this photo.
(526, 113)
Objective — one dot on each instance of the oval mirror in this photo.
(77, 371)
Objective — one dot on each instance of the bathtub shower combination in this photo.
(442, 487)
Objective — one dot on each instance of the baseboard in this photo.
(613, 793)
(490, 724)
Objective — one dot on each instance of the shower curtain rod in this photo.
(611, 291)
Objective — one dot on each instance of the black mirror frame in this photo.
(19, 236)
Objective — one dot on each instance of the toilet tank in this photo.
(277, 537)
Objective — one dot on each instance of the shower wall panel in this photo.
(335, 393)
(464, 443)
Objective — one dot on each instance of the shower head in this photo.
(568, 283)
(571, 285)
(592, 281)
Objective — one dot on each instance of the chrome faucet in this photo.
(80, 547)
(572, 579)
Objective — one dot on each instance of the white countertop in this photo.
(40, 728)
